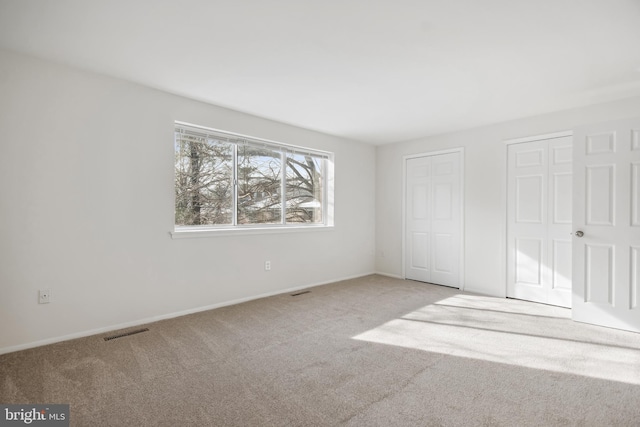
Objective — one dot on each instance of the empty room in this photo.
(296, 213)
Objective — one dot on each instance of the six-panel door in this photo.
(433, 219)
(607, 222)
(539, 189)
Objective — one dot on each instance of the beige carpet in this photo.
(373, 351)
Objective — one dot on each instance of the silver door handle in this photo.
(579, 233)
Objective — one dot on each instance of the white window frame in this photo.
(194, 231)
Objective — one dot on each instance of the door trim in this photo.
(505, 183)
(533, 138)
(459, 150)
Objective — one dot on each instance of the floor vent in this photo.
(125, 334)
(300, 293)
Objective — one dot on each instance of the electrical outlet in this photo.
(44, 296)
(267, 265)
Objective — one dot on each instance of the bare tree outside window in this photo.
(231, 181)
(259, 186)
(203, 181)
(304, 189)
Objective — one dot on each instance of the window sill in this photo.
(189, 233)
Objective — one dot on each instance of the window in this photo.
(229, 181)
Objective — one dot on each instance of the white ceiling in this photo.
(377, 71)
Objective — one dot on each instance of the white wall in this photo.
(485, 174)
(86, 206)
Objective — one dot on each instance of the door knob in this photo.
(579, 233)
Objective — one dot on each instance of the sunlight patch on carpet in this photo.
(518, 333)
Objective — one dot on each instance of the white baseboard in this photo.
(393, 276)
(152, 319)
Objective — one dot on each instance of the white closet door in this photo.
(559, 220)
(539, 221)
(418, 219)
(606, 221)
(433, 219)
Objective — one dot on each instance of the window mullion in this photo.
(325, 190)
(235, 185)
(283, 184)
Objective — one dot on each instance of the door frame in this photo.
(505, 200)
(459, 150)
